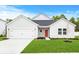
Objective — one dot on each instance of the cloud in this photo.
(11, 12)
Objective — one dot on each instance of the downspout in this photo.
(6, 29)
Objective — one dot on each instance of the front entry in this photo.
(43, 32)
(46, 33)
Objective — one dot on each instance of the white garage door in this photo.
(21, 34)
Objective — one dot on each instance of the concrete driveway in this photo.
(13, 45)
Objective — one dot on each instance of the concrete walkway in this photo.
(13, 45)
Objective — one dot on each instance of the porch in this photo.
(43, 32)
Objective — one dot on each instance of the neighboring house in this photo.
(2, 27)
(40, 26)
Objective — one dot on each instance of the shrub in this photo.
(41, 38)
(1, 35)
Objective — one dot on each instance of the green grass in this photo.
(51, 46)
(2, 38)
(77, 37)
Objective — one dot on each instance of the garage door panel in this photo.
(21, 34)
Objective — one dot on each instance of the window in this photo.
(40, 30)
(64, 31)
(59, 31)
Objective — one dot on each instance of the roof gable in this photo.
(65, 21)
(21, 17)
(41, 17)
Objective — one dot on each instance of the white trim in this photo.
(44, 26)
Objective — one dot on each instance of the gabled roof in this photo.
(44, 22)
(40, 22)
(41, 17)
(21, 16)
(65, 20)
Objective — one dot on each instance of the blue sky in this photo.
(48, 8)
(11, 11)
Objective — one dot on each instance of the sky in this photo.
(12, 11)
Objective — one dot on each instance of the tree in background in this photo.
(55, 18)
(77, 24)
(72, 19)
(62, 16)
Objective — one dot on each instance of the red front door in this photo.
(46, 33)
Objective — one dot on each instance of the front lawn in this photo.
(50, 46)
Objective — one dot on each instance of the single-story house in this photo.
(40, 26)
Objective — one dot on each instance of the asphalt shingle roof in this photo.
(44, 22)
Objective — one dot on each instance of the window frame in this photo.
(59, 31)
(64, 31)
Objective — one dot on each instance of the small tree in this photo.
(55, 18)
(72, 19)
(62, 16)
(77, 24)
